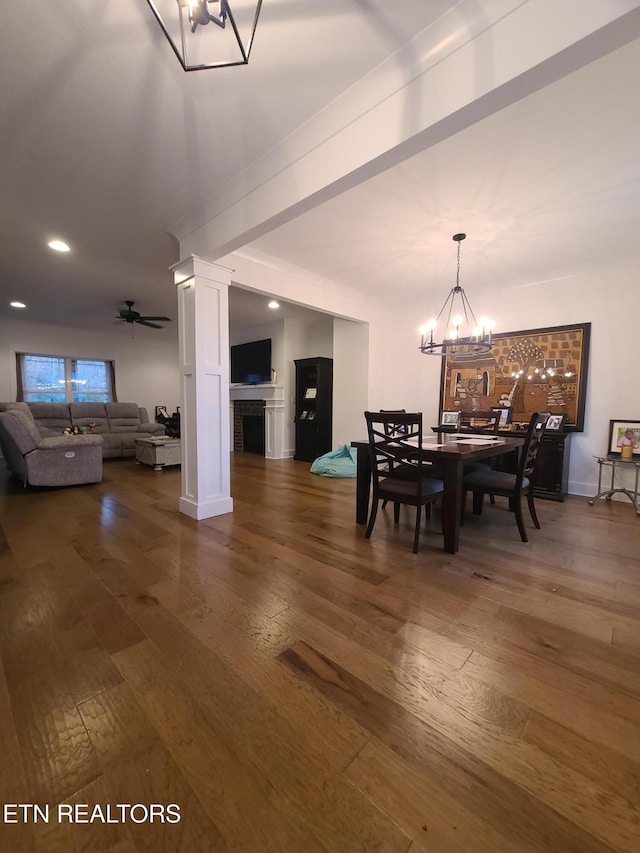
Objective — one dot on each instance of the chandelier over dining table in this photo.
(455, 330)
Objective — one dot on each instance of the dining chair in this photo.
(391, 429)
(407, 472)
(512, 486)
(492, 425)
(399, 472)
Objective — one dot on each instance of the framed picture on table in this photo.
(450, 419)
(624, 434)
(555, 422)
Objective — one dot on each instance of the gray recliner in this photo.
(53, 460)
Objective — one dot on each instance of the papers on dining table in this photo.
(427, 441)
(467, 440)
(455, 438)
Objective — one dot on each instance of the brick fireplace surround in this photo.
(266, 400)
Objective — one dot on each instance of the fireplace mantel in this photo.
(265, 392)
(273, 396)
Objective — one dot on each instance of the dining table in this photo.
(450, 452)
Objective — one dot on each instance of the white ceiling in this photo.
(105, 141)
(543, 189)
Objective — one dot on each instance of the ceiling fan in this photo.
(130, 316)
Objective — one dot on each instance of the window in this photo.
(63, 379)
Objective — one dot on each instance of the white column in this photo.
(203, 317)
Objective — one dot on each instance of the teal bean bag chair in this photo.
(337, 463)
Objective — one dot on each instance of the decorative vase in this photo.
(626, 452)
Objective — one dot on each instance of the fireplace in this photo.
(248, 426)
(270, 408)
(253, 434)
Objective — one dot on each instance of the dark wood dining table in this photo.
(450, 452)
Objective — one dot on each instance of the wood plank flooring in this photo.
(294, 688)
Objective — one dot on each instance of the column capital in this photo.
(193, 266)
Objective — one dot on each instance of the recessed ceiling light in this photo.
(274, 304)
(17, 305)
(59, 246)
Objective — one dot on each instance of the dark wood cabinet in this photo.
(551, 476)
(314, 407)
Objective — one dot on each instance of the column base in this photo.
(207, 509)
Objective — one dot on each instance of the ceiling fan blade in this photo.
(143, 322)
(165, 319)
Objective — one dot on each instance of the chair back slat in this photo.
(529, 455)
(394, 428)
(394, 438)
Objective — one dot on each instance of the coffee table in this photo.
(158, 452)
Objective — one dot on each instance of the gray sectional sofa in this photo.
(119, 424)
(36, 449)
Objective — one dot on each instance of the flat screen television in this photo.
(251, 362)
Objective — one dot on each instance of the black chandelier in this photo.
(227, 43)
(462, 335)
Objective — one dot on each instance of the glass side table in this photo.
(614, 462)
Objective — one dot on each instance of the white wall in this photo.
(318, 339)
(146, 365)
(350, 379)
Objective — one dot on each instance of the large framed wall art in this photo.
(538, 370)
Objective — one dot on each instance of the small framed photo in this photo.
(623, 434)
(311, 393)
(556, 422)
(312, 415)
(450, 419)
(504, 416)
(304, 415)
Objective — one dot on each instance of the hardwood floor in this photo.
(293, 687)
